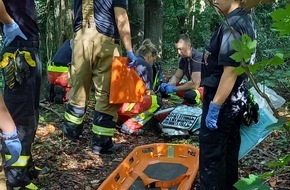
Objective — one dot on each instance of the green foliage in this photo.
(244, 48)
(278, 167)
(267, 39)
(281, 162)
(282, 21)
(251, 183)
(178, 17)
(272, 76)
(277, 46)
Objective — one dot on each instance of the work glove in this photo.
(212, 116)
(170, 89)
(13, 145)
(163, 86)
(133, 59)
(11, 31)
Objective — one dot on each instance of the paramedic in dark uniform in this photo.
(189, 66)
(22, 85)
(63, 55)
(98, 25)
(224, 97)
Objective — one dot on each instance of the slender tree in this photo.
(136, 16)
(153, 25)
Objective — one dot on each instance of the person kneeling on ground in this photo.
(190, 67)
(58, 75)
(140, 113)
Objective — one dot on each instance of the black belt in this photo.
(22, 43)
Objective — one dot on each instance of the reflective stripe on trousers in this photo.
(145, 116)
(73, 119)
(104, 131)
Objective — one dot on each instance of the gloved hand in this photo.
(11, 31)
(163, 86)
(133, 59)
(13, 145)
(212, 116)
(169, 89)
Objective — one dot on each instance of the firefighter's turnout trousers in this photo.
(22, 73)
(139, 113)
(92, 58)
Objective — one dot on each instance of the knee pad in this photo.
(190, 97)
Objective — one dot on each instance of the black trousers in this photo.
(219, 149)
(22, 102)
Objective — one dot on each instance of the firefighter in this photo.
(98, 25)
(21, 65)
(57, 71)
(190, 67)
(140, 113)
(225, 95)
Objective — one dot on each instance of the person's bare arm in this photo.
(176, 78)
(226, 85)
(123, 25)
(186, 86)
(4, 16)
(196, 79)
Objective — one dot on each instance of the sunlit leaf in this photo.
(237, 57)
(267, 174)
(244, 48)
(251, 183)
(239, 70)
(283, 161)
(281, 18)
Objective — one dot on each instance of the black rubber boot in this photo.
(59, 94)
(104, 145)
(71, 131)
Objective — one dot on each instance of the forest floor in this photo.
(72, 165)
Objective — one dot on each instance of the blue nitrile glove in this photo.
(212, 116)
(13, 145)
(163, 86)
(170, 89)
(11, 31)
(133, 59)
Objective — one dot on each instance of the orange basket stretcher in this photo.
(156, 166)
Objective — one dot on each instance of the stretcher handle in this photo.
(151, 182)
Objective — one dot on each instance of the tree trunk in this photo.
(153, 25)
(136, 17)
(59, 25)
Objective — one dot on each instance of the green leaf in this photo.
(244, 48)
(283, 161)
(237, 57)
(239, 70)
(275, 61)
(267, 174)
(254, 68)
(251, 183)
